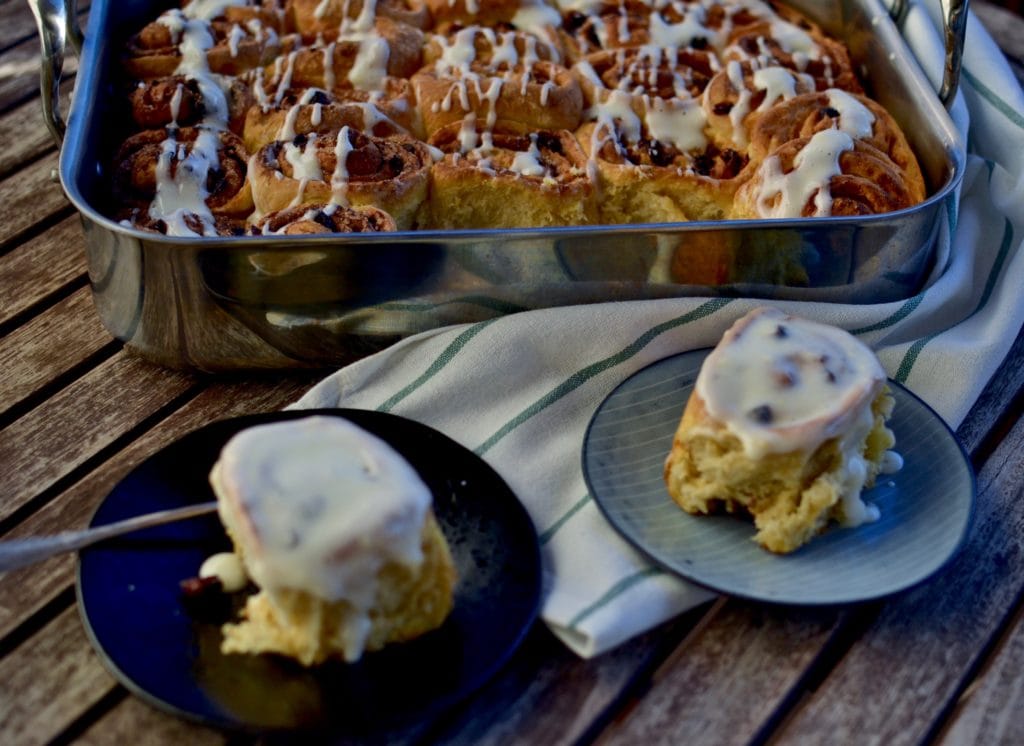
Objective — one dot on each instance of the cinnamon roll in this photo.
(361, 59)
(533, 16)
(220, 225)
(786, 423)
(313, 17)
(739, 94)
(501, 179)
(829, 173)
(177, 42)
(173, 173)
(647, 72)
(323, 218)
(316, 111)
(180, 100)
(857, 116)
(801, 47)
(659, 167)
(540, 96)
(350, 168)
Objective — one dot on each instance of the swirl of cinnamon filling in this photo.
(222, 225)
(799, 47)
(179, 100)
(857, 116)
(650, 71)
(312, 17)
(829, 173)
(302, 112)
(191, 169)
(542, 96)
(323, 218)
(348, 168)
(229, 47)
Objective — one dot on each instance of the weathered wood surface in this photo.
(77, 413)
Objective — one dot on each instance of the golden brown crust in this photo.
(515, 180)
(388, 172)
(869, 184)
(312, 17)
(543, 96)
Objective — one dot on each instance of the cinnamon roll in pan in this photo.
(488, 47)
(645, 72)
(543, 96)
(314, 111)
(364, 61)
(180, 100)
(858, 116)
(505, 180)
(313, 17)
(186, 169)
(649, 179)
(829, 173)
(228, 47)
(390, 173)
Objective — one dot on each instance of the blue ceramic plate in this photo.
(130, 601)
(926, 507)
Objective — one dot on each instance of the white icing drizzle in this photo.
(339, 179)
(287, 131)
(227, 568)
(677, 122)
(813, 169)
(855, 119)
(527, 162)
(305, 165)
(234, 38)
(321, 506)
(207, 10)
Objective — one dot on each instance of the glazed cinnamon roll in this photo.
(658, 167)
(364, 61)
(323, 218)
(739, 94)
(350, 168)
(180, 100)
(645, 72)
(496, 179)
(803, 48)
(828, 173)
(315, 111)
(174, 172)
(532, 16)
(540, 96)
(857, 116)
(312, 17)
(175, 43)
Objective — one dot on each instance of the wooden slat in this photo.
(911, 662)
(990, 711)
(19, 72)
(29, 196)
(136, 723)
(51, 440)
(24, 133)
(23, 592)
(725, 683)
(48, 681)
(547, 695)
(37, 268)
(51, 344)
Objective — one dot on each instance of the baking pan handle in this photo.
(955, 24)
(956, 30)
(55, 21)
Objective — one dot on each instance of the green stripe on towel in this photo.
(612, 593)
(553, 529)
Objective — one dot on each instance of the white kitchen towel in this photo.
(519, 390)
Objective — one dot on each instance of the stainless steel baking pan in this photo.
(211, 304)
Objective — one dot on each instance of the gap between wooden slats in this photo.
(31, 200)
(19, 73)
(23, 133)
(19, 25)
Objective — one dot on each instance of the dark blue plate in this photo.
(926, 507)
(131, 604)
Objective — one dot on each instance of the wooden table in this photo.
(942, 662)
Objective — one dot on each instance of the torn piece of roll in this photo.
(786, 422)
(337, 530)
